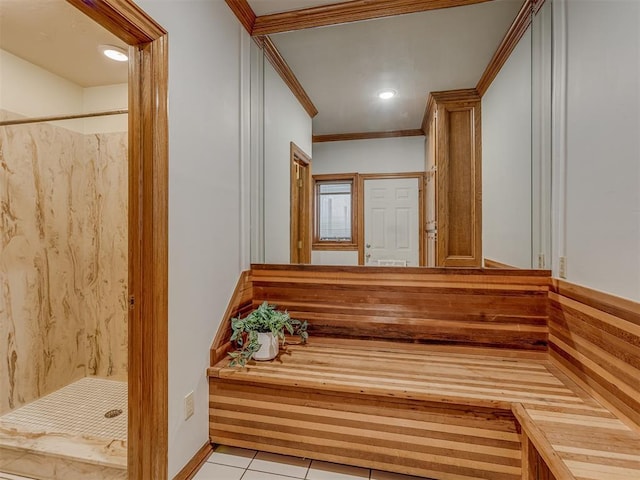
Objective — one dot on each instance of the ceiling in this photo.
(343, 67)
(59, 38)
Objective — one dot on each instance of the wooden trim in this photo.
(421, 210)
(191, 468)
(123, 18)
(280, 65)
(461, 95)
(594, 339)
(487, 274)
(539, 440)
(341, 137)
(346, 12)
(237, 303)
(148, 231)
(244, 13)
(334, 246)
(536, 6)
(427, 118)
(303, 255)
(488, 263)
(317, 244)
(512, 37)
(619, 306)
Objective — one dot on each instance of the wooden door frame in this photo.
(421, 210)
(298, 155)
(148, 231)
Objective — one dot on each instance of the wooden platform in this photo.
(381, 386)
(422, 412)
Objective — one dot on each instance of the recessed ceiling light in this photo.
(114, 53)
(387, 94)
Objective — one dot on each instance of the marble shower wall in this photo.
(63, 259)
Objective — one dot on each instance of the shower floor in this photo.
(66, 435)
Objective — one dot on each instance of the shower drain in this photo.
(113, 413)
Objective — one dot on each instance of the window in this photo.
(335, 211)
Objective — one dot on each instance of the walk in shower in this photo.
(63, 254)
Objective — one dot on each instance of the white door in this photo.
(391, 222)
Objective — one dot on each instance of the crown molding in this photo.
(280, 65)
(347, 12)
(244, 12)
(340, 137)
(519, 26)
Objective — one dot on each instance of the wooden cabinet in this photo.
(453, 180)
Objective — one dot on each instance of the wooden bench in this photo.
(446, 408)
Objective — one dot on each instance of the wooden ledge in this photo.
(574, 435)
(424, 374)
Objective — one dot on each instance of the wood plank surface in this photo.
(429, 413)
(241, 303)
(595, 338)
(398, 375)
(461, 307)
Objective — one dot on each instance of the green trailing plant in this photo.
(263, 319)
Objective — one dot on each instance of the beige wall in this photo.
(63, 258)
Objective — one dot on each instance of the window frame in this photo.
(318, 244)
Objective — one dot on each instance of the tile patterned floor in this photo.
(79, 409)
(231, 463)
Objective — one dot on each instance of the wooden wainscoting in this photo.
(470, 307)
(484, 399)
(595, 338)
(241, 303)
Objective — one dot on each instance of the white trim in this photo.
(559, 133)
(256, 181)
(245, 149)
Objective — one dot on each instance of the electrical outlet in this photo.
(563, 267)
(188, 406)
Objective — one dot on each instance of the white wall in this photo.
(380, 155)
(31, 91)
(285, 121)
(104, 98)
(598, 203)
(204, 196)
(334, 257)
(506, 161)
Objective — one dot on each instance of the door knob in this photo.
(368, 245)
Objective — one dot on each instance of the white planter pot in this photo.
(269, 347)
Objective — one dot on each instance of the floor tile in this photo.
(334, 471)
(214, 471)
(253, 475)
(280, 464)
(232, 456)
(379, 475)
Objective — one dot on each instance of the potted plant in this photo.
(259, 334)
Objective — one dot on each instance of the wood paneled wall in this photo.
(241, 303)
(444, 441)
(595, 338)
(470, 307)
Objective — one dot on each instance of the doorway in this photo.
(148, 231)
(300, 246)
(392, 213)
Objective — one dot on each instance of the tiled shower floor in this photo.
(78, 408)
(66, 436)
